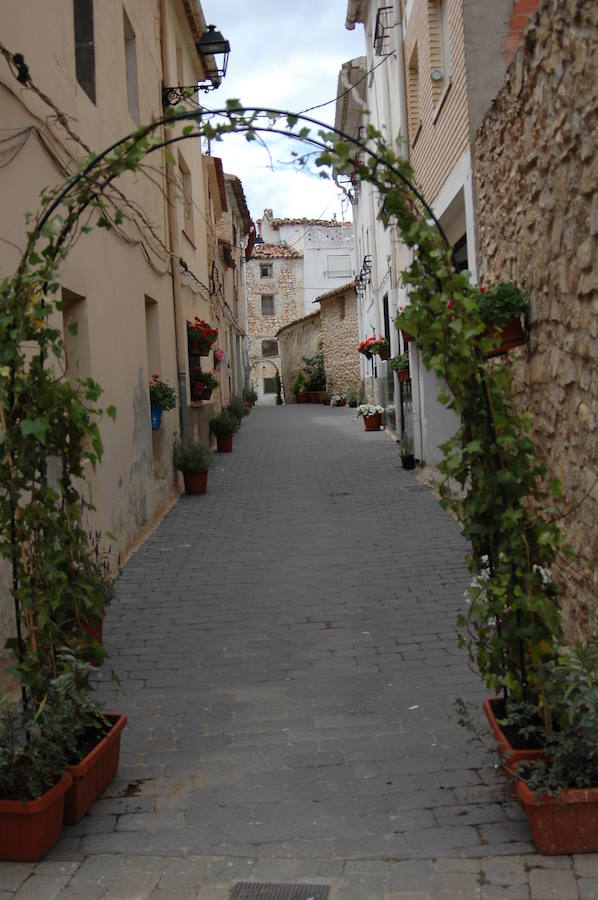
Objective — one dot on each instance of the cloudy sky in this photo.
(285, 54)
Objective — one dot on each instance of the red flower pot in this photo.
(372, 423)
(29, 828)
(199, 391)
(94, 773)
(196, 348)
(315, 396)
(342, 403)
(384, 353)
(511, 336)
(304, 397)
(407, 338)
(509, 755)
(403, 374)
(564, 824)
(196, 482)
(224, 443)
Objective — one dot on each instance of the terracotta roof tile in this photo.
(322, 223)
(275, 251)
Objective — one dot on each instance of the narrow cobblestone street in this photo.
(292, 720)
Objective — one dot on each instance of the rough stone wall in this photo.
(339, 342)
(537, 195)
(286, 285)
(301, 338)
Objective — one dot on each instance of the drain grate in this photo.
(248, 890)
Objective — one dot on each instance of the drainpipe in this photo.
(173, 246)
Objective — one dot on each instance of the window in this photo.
(131, 69)
(269, 385)
(413, 96)
(77, 357)
(267, 304)
(269, 348)
(440, 52)
(266, 270)
(85, 63)
(185, 178)
(339, 266)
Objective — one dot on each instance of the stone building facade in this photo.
(537, 205)
(340, 338)
(299, 339)
(274, 298)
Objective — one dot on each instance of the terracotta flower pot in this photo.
(564, 824)
(372, 423)
(199, 391)
(315, 396)
(196, 482)
(224, 443)
(29, 828)
(342, 403)
(384, 353)
(509, 754)
(407, 338)
(403, 374)
(94, 773)
(511, 336)
(198, 348)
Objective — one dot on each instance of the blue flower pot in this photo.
(156, 417)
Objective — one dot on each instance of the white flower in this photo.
(368, 409)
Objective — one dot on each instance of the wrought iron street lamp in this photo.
(214, 52)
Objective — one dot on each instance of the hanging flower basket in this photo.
(403, 374)
(511, 336)
(200, 391)
(201, 337)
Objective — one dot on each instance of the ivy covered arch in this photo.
(492, 481)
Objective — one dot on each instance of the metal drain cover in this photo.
(250, 890)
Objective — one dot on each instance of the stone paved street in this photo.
(288, 656)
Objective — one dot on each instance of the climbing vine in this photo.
(492, 480)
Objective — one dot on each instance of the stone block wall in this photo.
(536, 171)
(296, 340)
(340, 336)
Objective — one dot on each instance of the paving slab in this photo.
(287, 650)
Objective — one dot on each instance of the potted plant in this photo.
(380, 346)
(365, 347)
(33, 782)
(407, 457)
(372, 416)
(400, 325)
(299, 388)
(315, 381)
(501, 308)
(237, 408)
(326, 398)
(223, 427)
(338, 400)
(201, 336)
(202, 384)
(352, 398)
(162, 398)
(250, 397)
(559, 789)
(193, 459)
(400, 365)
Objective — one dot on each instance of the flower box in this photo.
(94, 773)
(564, 824)
(30, 828)
(509, 754)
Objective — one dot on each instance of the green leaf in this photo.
(37, 427)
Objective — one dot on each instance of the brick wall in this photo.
(537, 193)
